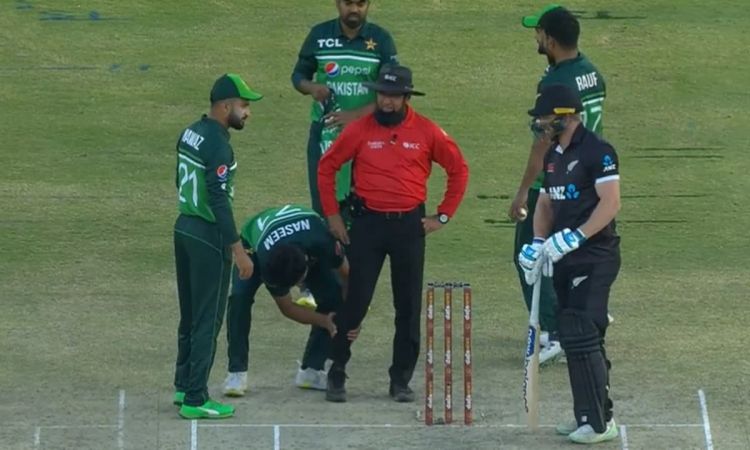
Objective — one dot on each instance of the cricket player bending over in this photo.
(289, 245)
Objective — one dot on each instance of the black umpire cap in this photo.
(557, 99)
(393, 79)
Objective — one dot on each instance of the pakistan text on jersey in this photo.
(285, 231)
(347, 88)
(192, 139)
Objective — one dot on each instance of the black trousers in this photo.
(203, 264)
(585, 287)
(373, 236)
(325, 286)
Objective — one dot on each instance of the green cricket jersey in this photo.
(292, 224)
(328, 56)
(205, 172)
(583, 77)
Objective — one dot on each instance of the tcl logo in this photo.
(329, 43)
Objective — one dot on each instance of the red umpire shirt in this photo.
(392, 164)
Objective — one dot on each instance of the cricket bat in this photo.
(531, 363)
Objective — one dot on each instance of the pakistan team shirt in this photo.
(584, 78)
(205, 173)
(291, 224)
(329, 57)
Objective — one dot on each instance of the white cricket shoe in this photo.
(311, 379)
(585, 434)
(550, 352)
(236, 384)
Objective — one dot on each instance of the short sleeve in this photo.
(545, 172)
(603, 164)
(388, 54)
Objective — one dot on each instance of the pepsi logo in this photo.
(332, 69)
(222, 172)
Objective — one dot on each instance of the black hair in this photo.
(562, 26)
(286, 266)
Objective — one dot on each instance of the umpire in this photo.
(577, 205)
(392, 151)
(205, 238)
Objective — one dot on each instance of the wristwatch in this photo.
(443, 218)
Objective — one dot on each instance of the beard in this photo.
(235, 121)
(390, 118)
(543, 51)
(353, 21)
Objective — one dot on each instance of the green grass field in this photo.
(91, 111)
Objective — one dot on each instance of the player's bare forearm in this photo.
(606, 210)
(543, 216)
(534, 163)
(305, 87)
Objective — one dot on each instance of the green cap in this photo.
(230, 85)
(533, 21)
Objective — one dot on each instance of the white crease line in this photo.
(388, 425)
(706, 423)
(624, 436)
(276, 437)
(65, 427)
(193, 434)
(37, 437)
(665, 425)
(121, 420)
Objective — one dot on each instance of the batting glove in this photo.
(562, 243)
(530, 260)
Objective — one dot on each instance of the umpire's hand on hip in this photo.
(431, 223)
(338, 229)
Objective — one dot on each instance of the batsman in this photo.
(574, 229)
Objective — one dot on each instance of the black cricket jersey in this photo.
(570, 179)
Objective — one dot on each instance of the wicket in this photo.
(448, 351)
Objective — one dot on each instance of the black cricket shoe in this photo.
(336, 390)
(401, 393)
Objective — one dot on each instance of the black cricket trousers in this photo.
(373, 236)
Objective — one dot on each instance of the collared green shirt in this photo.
(205, 175)
(328, 56)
